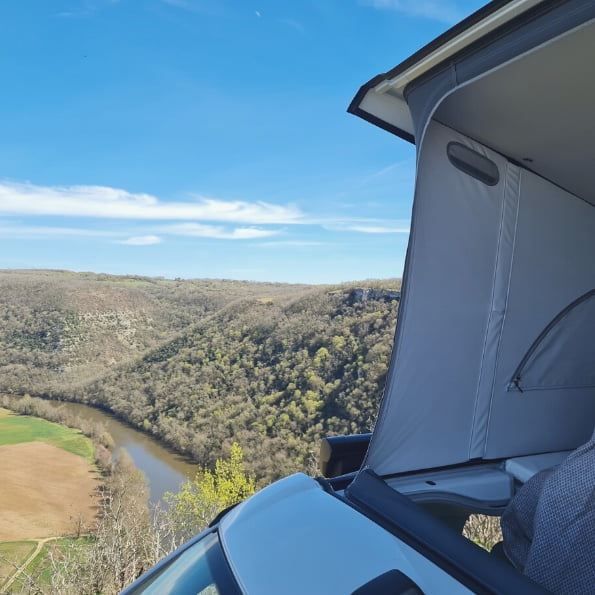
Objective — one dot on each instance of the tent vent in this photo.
(473, 164)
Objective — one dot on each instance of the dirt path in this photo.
(23, 566)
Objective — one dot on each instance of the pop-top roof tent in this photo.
(494, 354)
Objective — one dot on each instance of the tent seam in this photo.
(474, 432)
(505, 311)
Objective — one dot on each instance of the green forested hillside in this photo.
(201, 364)
(60, 329)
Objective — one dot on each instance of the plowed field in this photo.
(43, 490)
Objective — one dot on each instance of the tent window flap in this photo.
(563, 355)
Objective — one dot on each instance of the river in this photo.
(164, 469)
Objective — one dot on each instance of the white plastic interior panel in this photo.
(524, 468)
(487, 487)
(388, 108)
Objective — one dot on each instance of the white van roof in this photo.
(382, 99)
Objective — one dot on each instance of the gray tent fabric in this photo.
(430, 394)
(491, 262)
(524, 116)
(489, 266)
(549, 526)
(487, 271)
(423, 96)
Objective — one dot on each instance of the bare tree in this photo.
(126, 541)
(483, 530)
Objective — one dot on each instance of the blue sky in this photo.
(205, 138)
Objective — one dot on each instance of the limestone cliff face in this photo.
(364, 294)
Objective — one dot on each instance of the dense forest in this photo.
(201, 364)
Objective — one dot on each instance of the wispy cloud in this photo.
(113, 203)
(126, 237)
(141, 241)
(200, 230)
(369, 227)
(40, 231)
(145, 220)
(293, 243)
(399, 175)
(377, 229)
(437, 10)
(382, 172)
(293, 24)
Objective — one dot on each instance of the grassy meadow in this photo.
(12, 555)
(24, 430)
(40, 567)
(17, 429)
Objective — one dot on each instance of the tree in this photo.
(201, 499)
(126, 541)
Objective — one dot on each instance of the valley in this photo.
(171, 375)
(201, 364)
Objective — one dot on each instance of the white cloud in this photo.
(145, 219)
(21, 231)
(437, 10)
(200, 230)
(141, 241)
(377, 229)
(257, 13)
(406, 170)
(371, 227)
(16, 230)
(114, 203)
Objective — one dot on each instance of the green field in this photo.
(13, 554)
(16, 429)
(39, 569)
(40, 566)
(19, 429)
